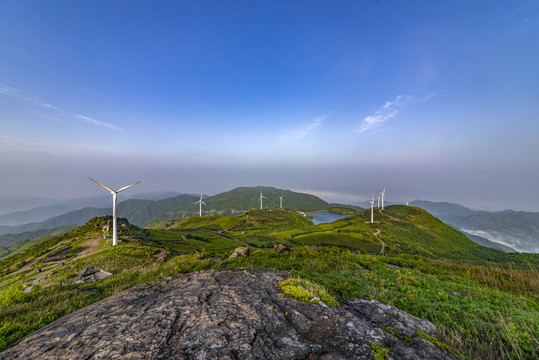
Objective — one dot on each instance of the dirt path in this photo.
(89, 245)
(190, 243)
(389, 216)
(27, 266)
(383, 243)
(37, 280)
(160, 254)
(238, 240)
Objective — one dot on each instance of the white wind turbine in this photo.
(281, 201)
(378, 200)
(261, 197)
(383, 196)
(114, 195)
(372, 209)
(200, 207)
(406, 203)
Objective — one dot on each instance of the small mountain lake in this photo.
(325, 217)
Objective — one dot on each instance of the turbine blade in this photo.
(128, 186)
(98, 183)
(203, 202)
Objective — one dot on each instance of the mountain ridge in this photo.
(143, 212)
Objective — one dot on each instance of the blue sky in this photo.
(430, 99)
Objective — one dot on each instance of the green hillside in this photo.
(483, 301)
(206, 222)
(144, 212)
(13, 243)
(244, 198)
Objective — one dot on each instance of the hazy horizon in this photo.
(430, 100)
(328, 197)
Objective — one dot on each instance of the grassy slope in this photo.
(483, 310)
(20, 242)
(244, 198)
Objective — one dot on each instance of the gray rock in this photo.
(390, 317)
(279, 248)
(239, 252)
(219, 314)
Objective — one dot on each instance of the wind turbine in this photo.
(200, 208)
(261, 197)
(406, 203)
(378, 200)
(114, 195)
(281, 199)
(383, 195)
(372, 209)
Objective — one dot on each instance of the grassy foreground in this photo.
(482, 312)
(482, 309)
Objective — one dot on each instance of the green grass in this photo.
(206, 222)
(341, 210)
(482, 309)
(195, 240)
(351, 240)
(486, 319)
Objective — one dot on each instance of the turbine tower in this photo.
(114, 195)
(383, 196)
(200, 207)
(281, 201)
(261, 197)
(372, 209)
(378, 200)
(406, 203)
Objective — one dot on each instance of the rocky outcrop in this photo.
(226, 314)
(280, 248)
(239, 252)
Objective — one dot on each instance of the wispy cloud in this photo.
(18, 94)
(185, 143)
(301, 131)
(387, 111)
(95, 122)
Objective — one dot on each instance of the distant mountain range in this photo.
(9, 203)
(41, 213)
(507, 230)
(142, 212)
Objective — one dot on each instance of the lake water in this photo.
(325, 217)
